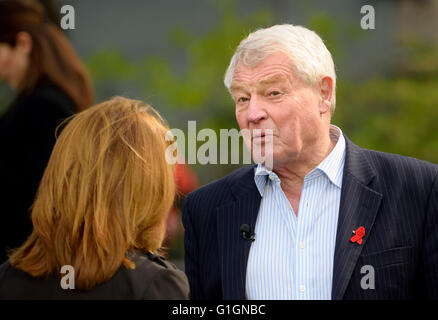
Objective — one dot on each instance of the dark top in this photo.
(27, 136)
(153, 278)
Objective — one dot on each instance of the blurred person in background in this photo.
(101, 208)
(51, 83)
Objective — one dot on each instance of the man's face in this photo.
(270, 96)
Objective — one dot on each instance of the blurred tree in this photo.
(396, 112)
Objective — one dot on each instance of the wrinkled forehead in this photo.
(276, 68)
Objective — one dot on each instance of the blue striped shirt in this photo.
(292, 256)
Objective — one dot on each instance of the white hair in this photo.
(312, 61)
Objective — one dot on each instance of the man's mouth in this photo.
(262, 137)
(262, 134)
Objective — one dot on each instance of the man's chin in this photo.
(266, 161)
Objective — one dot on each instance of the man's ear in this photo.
(24, 42)
(326, 92)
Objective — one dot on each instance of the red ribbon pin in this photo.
(358, 235)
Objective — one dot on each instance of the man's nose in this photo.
(256, 111)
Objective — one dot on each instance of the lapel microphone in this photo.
(246, 232)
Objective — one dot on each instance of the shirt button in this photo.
(302, 245)
(302, 289)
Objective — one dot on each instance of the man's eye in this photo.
(274, 93)
(242, 99)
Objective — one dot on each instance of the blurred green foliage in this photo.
(395, 112)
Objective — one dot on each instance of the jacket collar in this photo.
(359, 206)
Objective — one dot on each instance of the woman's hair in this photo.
(52, 56)
(107, 189)
(311, 58)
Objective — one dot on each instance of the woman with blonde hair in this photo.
(101, 210)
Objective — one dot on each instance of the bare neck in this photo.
(292, 175)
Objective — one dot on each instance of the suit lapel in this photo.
(358, 207)
(233, 248)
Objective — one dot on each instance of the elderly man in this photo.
(328, 220)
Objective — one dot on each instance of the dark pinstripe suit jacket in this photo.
(394, 198)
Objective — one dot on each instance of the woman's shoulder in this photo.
(47, 103)
(153, 278)
(16, 284)
(49, 96)
(149, 265)
(157, 278)
(150, 260)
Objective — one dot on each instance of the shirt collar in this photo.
(332, 165)
(261, 177)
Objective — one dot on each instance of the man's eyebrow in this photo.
(237, 86)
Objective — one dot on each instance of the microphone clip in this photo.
(246, 232)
